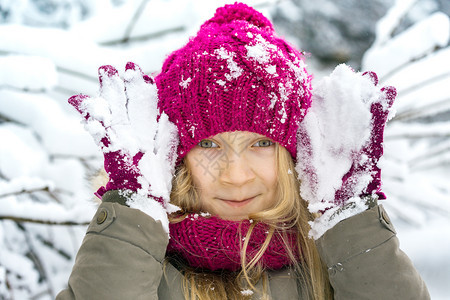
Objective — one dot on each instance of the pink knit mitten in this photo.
(340, 143)
(138, 144)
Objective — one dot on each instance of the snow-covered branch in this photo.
(417, 131)
(38, 221)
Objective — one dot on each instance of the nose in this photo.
(236, 170)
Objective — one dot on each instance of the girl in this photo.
(221, 187)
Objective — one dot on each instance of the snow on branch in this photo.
(423, 110)
(40, 221)
(435, 156)
(416, 131)
(22, 185)
(27, 210)
(412, 44)
(417, 75)
(387, 25)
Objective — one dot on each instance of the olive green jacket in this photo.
(122, 253)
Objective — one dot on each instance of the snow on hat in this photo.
(235, 74)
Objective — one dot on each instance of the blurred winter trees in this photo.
(416, 61)
(51, 49)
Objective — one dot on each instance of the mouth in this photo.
(238, 203)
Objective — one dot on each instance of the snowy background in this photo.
(51, 49)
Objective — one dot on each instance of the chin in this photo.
(233, 218)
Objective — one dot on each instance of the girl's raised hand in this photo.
(340, 143)
(139, 144)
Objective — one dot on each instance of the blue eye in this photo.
(263, 143)
(207, 144)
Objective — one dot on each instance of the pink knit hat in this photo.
(236, 74)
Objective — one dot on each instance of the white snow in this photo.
(28, 72)
(59, 132)
(247, 292)
(235, 70)
(431, 69)
(221, 82)
(418, 130)
(50, 212)
(391, 20)
(328, 105)
(415, 171)
(23, 183)
(412, 44)
(129, 120)
(159, 16)
(22, 155)
(185, 83)
(272, 69)
(261, 50)
(338, 125)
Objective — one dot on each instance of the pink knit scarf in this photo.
(215, 244)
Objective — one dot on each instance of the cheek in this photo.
(202, 163)
(271, 184)
(201, 178)
(271, 179)
(265, 166)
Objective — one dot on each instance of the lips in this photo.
(238, 203)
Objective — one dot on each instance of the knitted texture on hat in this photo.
(235, 74)
(215, 244)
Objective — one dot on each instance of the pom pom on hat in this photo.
(242, 12)
(235, 74)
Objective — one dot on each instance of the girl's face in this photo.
(234, 173)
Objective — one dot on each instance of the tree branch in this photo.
(392, 72)
(144, 37)
(412, 135)
(134, 20)
(46, 222)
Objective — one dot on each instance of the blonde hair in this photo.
(289, 212)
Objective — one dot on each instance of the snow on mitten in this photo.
(139, 144)
(340, 143)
